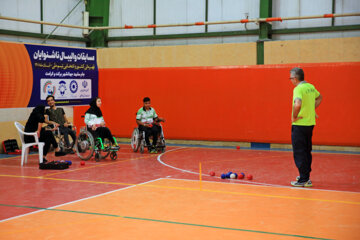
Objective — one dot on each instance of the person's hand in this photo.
(295, 119)
(93, 127)
(102, 124)
(38, 134)
(66, 124)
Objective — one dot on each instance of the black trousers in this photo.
(66, 131)
(301, 137)
(102, 132)
(153, 131)
(47, 137)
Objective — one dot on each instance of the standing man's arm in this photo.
(318, 100)
(296, 110)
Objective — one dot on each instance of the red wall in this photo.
(240, 103)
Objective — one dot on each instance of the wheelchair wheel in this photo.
(135, 140)
(113, 156)
(85, 145)
(106, 151)
(142, 146)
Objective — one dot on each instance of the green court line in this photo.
(166, 221)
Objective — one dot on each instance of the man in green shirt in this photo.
(148, 121)
(305, 100)
(58, 118)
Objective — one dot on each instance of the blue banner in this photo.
(70, 74)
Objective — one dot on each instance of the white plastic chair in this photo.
(26, 146)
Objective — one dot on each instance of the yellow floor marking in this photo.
(189, 189)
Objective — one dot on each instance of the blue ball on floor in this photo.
(228, 174)
(69, 162)
(223, 176)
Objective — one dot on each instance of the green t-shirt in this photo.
(146, 116)
(56, 115)
(307, 93)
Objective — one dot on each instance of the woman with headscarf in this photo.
(34, 124)
(95, 123)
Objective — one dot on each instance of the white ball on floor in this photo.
(232, 176)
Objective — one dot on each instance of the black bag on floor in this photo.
(54, 165)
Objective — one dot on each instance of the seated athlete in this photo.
(58, 118)
(94, 120)
(148, 121)
(34, 124)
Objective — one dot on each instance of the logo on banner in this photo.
(73, 86)
(84, 84)
(49, 88)
(62, 87)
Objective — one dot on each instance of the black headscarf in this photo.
(94, 109)
(40, 109)
(36, 117)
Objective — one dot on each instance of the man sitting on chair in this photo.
(148, 120)
(58, 118)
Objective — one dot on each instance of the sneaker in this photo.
(153, 150)
(60, 153)
(115, 147)
(71, 151)
(301, 184)
(308, 183)
(297, 184)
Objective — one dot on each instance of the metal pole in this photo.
(61, 21)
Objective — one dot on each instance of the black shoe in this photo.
(44, 160)
(60, 153)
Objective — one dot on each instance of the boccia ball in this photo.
(228, 174)
(233, 175)
(82, 163)
(212, 173)
(69, 162)
(237, 147)
(249, 177)
(223, 176)
(241, 176)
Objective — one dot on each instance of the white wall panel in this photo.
(55, 11)
(318, 7)
(180, 11)
(27, 9)
(347, 6)
(294, 8)
(228, 10)
(131, 12)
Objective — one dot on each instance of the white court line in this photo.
(243, 181)
(82, 199)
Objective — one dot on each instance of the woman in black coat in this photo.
(34, 124)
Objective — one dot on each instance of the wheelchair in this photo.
(86, 145)
(60, 137)
(138, 141)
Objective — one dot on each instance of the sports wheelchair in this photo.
(86, 145)
(59, 137)
(138, 141)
